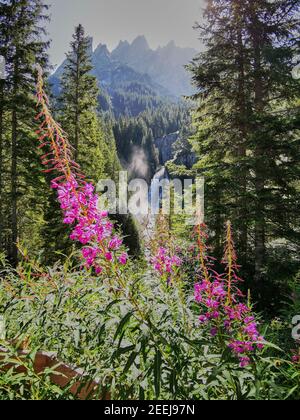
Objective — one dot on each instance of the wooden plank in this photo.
(82, 388)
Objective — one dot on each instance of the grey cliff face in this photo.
(165, 147)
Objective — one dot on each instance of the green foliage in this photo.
(20, 381)
(139, 342)
(133, 98)
(179, 171)
(78, 108)
(129, 228)
(247, 131)
(21, 183)
(139, 134)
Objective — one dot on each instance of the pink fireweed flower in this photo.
(203, 319)
(98, 270)
(115, 243)
(109, 256)
(218, 296)
(218, 290)
(199, 290)
(296, 358)
(123, 258)
(176, 261)
(91, 227)
(214, 332)
(164, 263)
(227, 324)
(212, 304)
(54, 185)
(261, 343)
(251, 330)
(90, 255)
(249, 319)
(77, 198)
(215, 315)
(245, 361)
(241, 347)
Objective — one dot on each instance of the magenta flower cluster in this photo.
(92, 227)
(232, 320)
(296, 357)
(165, 264)
(77, 198)
(219, 295)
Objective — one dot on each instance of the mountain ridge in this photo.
(133, 77)
(165, 64)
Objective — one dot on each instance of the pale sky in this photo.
(109, 21)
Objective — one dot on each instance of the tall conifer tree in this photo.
(78, 103)
(22, 45)
(248, 123)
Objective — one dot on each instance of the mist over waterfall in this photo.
(138, 166)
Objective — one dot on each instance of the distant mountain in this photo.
(165, 65)
(112, 73)
(133, 77)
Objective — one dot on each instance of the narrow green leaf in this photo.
(157, 372)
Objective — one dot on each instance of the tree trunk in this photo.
(260, 224)
(1, 163)
(219, 227)
(242, 208)
(14, 161)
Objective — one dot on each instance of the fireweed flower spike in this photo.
(296, 358)
(165, 264)
(77, 198)
(218, 297)
(232, 267)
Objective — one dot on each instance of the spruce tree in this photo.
(247, 124)
(78, 104)
(22, 45)
(273, 29)
(221, 136)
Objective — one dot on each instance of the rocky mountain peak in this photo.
(123, 44)
(171, 45)
(140, 43)
(121, 51)
(101, 56)
(102, 50)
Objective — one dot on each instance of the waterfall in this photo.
(147, 222)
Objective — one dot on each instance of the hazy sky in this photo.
(109, 21)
